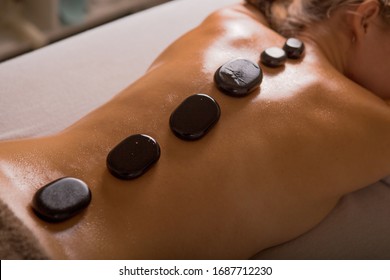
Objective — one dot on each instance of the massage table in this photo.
(45, 91)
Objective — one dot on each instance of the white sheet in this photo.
(47, 90)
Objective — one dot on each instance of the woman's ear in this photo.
(363, 18)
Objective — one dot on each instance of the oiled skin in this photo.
(272, 168)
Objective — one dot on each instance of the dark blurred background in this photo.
(26, 25)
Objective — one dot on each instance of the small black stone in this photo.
(194, 117)
(61, 199)
(273, 57)
(238, 77)
(294, 48)
(133, 156)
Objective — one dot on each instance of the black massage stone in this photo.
(133, 156)
(61, 199)
(294, 48)
(194, 117)
(273, 57)
(238, 77)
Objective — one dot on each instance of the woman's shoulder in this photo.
(238, 12)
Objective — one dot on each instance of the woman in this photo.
(272, 168)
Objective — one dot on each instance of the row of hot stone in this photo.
(192, 119)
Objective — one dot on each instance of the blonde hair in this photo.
(289, 17)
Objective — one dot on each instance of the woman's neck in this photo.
(330, 40)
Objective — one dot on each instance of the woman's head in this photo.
(353, 34)
(290, 17)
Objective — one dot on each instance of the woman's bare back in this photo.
(273, 166)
